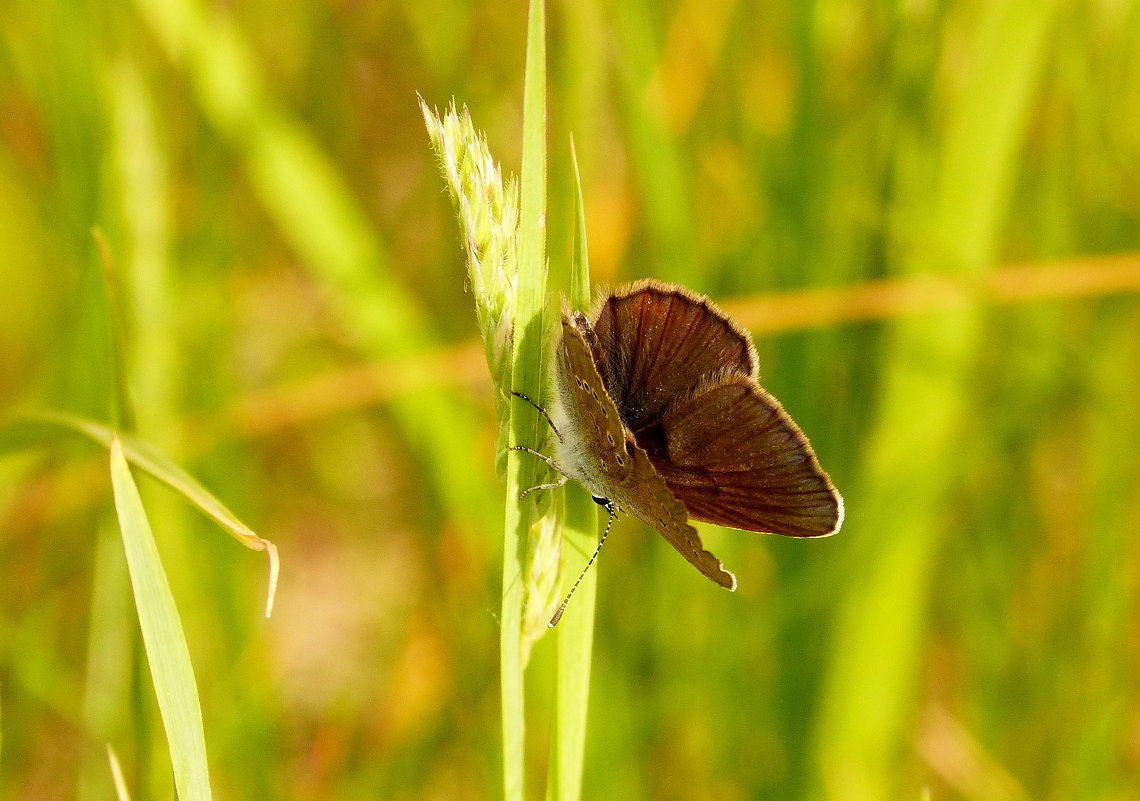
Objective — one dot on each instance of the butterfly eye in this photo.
(600, 501)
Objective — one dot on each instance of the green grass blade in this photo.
(166, 648)
(580, 537)
(526, 377)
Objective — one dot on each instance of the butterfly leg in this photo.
(541, 411)
(553, 485)
(554, 466)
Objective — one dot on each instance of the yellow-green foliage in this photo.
(940, 200)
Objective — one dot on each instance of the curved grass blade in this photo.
(142, 455)
(165, 643)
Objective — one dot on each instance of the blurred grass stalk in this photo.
(869, 685)
(334, 240)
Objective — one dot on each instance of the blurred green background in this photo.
(288, 294)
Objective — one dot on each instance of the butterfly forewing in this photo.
(658, 341)
(733, 456)
(608, 461)
(595, 432)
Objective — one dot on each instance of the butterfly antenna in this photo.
(612, 509)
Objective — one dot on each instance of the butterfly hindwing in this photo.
(655, 505)
(733, 456)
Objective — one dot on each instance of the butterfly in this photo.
(659, 413)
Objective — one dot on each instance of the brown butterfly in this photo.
(659, 413)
